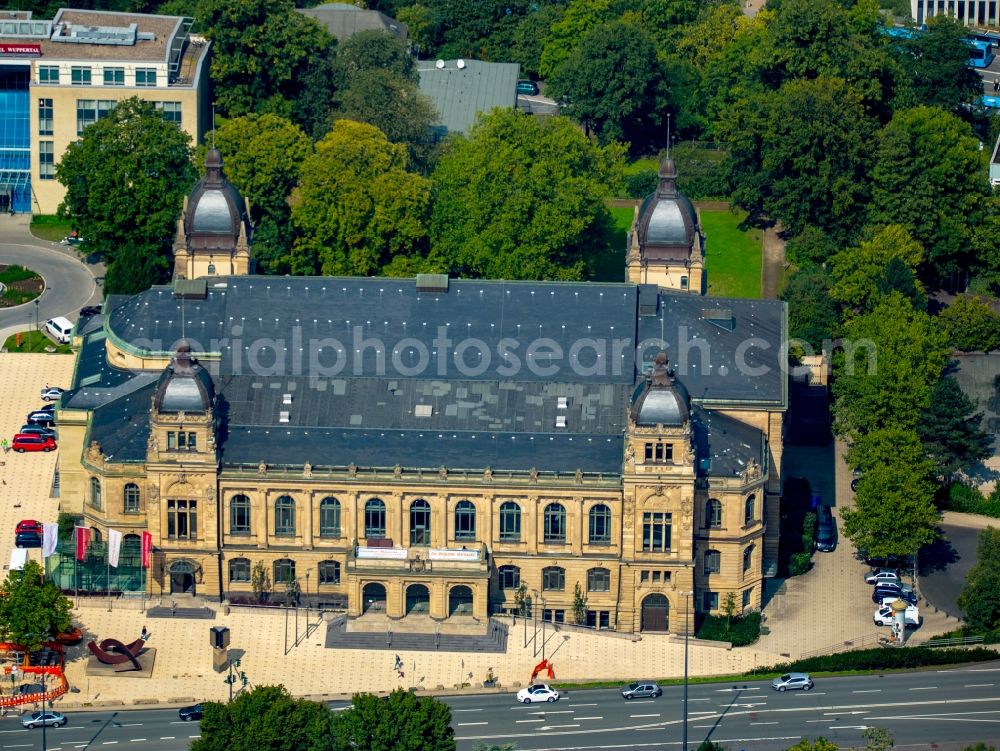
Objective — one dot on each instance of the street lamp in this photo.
(687, 623)
(36, 315)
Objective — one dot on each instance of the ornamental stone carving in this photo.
(397, 471)
(352, 470)
(686, 508)
(752, 471)
(442, 473)
(94, 455)
(629, 455)
(687, 455)
(533, 474)
(307, 470)
(152, 445)
(488, 474)
(261, 468)
(579, 476)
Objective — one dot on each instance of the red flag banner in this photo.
(82, 541)
(147, 549)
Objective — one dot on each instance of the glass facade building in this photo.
(15, 139)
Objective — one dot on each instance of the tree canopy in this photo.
(972, 324)
(812, 313)
(950, 430)
(126, 178)
(522, 198)
(980, 598)
(32, 608)
(356, 210)
(859, 273)
(937, 67)
(400, 722)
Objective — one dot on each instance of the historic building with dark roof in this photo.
(666, 244)
(432, 445)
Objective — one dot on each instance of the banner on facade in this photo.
(147, 548)
(50, 538)
(34, 50)
(114, 547)
(450, 554)
(398, 554)
(82, 541)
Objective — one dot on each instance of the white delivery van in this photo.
(59, 329)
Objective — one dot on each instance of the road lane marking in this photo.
(923, 688)
(775, 722)
(868, 691)
(643, 715)
(557, 727)
(706, 726)
(109, 743)
(460, 710)
(537, 719)
(586, 705)
(465, 724)
(554, 711)
(138, 740)
(812, 693)
(752, 688)
(706, 699)
(978, 685)
(167, 738)
(588, 718)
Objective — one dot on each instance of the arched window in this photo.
(465, 521)
(329, 517)
(132, 550)
(239, 570)
(131, 497)
(554, 523)
(420, 522)
(95, 492)
(553, 579)
(284, 516)
(510, 522)
(748, 559)
(329, 572)
(239, 515)
(748, 510)
(375, 519)
(713, 561)
(509, 577)
(598, 580)
(713, 513)
(284, 571)
(600, 525)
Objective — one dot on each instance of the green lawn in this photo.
(50, 227)
(651, 164)
(734, 256)
(33, 341)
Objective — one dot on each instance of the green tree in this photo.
(894, 512)
(929, 177)
(892, 358)
(528, 39)
(377, 222)
(579, 17)
(936, 63)
(614, 85)
(522, 198)
(126, 178)
(260, 581)
(262, 156)
(820, 744)
(810, 246)
(403, 722)
(859, 273)
(32, 608)
(265, 717)
(980, 598)
(480, 746)
(972, 325)
(950, 430)
(812, 314)
(394, 105)
(878, 739)
(266, 57)
(373, 50)
(802, 155)
(579, 605)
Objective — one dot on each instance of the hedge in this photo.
(741, 631)
(968, 500)
(882, 658)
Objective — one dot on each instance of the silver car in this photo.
(790, 681)
(50, 718)
(642, 690)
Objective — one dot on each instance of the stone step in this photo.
(160, 611)
(494, 640)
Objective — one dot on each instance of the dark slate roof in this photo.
(725, 351)
(456, 450)
(95, 381)
(121, 426)
(461, 94)
(724, 444)
(344, 20)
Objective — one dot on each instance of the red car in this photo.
(28, 525)
(32, 442)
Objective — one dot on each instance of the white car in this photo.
(882, 577)
(538, 692)
(51, 394)
(884, 616)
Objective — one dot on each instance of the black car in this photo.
(37, 430)
(891, 590)
(90, 310)
(826, 530)
(27, 540)
(41, 417)
(190, 713)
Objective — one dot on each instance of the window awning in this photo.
(14, 178)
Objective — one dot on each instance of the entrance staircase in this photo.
(417, 633)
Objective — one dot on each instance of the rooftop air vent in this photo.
(423, 410)
(283, 416)
(286, 399)
(563, 402)
(432, 282)
(560, 421)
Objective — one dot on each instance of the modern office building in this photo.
(59, 76)
(432, 445)
(969, 12)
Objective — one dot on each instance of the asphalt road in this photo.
(943, 567)
(938, 709)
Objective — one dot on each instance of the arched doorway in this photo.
(373, 598)
(655, 613)
(182, 578)
(418, 599)
(460, 600)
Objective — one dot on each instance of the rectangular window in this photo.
(171, 441)
(182, 520)
(46, 160)
(329, 572)
(510, 523)
(554, 616)
(171, 111)
(509, 577)
(598, 618)
(145, 76)
(747, 595)
(710, 601)
(656, 577)
(239, 518)
(661, 453)
(656, 532)
(48, 74)
(643, 576)
(239, 570)
(80, 76)
(114, 76)
(45, 117)
(649, 452)
(89, 111)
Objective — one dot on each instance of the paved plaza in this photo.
(827, 606)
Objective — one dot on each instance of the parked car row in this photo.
(887, 589)
(38, 432)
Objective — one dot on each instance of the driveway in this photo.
(69, 282)
(943, 566)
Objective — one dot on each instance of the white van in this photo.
(59, 329)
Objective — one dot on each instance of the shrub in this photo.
(641, 184)
(961, 497)
(16, 273)
(972, 325)
(800, 563)
(740, 631)
(882, 659)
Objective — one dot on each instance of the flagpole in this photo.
(107, 559)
